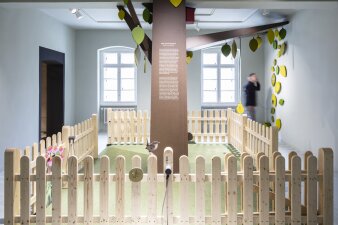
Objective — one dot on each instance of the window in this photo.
(220, 78)
(117, 76)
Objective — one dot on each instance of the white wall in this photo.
(89, 41)
(309, 116)
(21, 34)
(87, 44)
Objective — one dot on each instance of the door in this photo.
(51, 111)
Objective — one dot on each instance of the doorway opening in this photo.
(51, 85)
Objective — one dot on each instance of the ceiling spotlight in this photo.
(73, 11)
(265, 12)
(197, 28)
(77, 13)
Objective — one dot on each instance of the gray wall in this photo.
(89, 41)
(310, 90)
(22, 32)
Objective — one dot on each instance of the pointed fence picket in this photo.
(286, 209)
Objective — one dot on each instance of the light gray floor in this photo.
(283, 148)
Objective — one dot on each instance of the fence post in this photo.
(325, 164)
(11, 187)
(96, 136)
(65, 141)
(229, 111)
(243, 133)
(274, 140)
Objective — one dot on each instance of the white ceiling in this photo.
(236, 14)
(206, 18)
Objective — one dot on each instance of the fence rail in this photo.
(131, 127)
(85, 135)
(259, 194)
(250, 136)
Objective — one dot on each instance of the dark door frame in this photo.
(50, 56)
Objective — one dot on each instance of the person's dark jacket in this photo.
(250, 91)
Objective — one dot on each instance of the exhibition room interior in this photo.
(222, 79)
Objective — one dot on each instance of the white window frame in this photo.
(236, 66)
(118, 50)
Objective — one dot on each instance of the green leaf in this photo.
(272, 119)
(282, 48)
(281, 101)
(282, 33)
(126, 1)
(146, 15)
(277, 70)
(267, 124)
(121, 14)
(253, 44)
(138, 34)
(234, 49)
(271, 36)
(226, 49)
(273, 80)
(273, 110)
(275, 44)
(275, 62)
(189, 56)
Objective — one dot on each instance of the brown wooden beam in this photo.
(208, 40)
(146, 45)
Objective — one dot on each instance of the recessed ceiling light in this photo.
(73, 11)
(77, 13)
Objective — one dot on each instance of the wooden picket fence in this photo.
(79, 140)
(127, 127)
(259, 194)
(208, 126)
(250, 136)
(131, 127)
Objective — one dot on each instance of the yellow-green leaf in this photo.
(274, 100)
(272, 119)
(234, 49)
(277, 70)
(253, 44)
(275, 62)
(283, 71)
(281, 101)
(278, 124)
(273, 110)
(259, 41)
(189, 56)
(278, 87)
(240, 108)
(276, 33)
(176, 3)
(121, 14)
(275, 44)
(273, 80)
(271, 36)
(138, 34)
